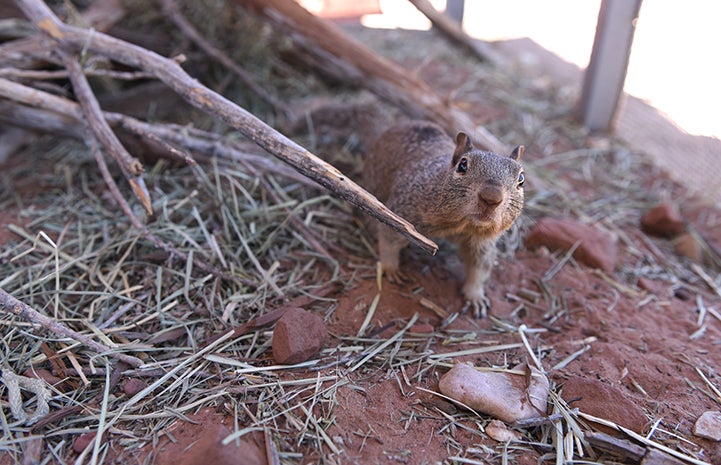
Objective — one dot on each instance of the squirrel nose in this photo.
(491, 196)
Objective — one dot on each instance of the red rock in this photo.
(597, 248)
(298, 336)
(663, 220)
(207, 448)
(603, 401)
(132, 386)
(687, 246)
(83, 441)
(528, 458)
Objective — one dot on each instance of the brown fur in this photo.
(414, 169)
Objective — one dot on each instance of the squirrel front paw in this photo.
(394, 274)
(477, 300)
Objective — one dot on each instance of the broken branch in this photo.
(131, 167)
(12, 305)
(453, 31)
(40, 110)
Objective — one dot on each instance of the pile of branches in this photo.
(66, 46)
(54, 49)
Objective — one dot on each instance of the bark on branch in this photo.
(34, 109)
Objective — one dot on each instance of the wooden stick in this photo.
(131, 167)
(205, 99)
(43, 111)
(453, 31)
(12, 305)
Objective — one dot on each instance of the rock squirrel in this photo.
(447, 190)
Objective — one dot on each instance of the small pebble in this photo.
(708, 426)
(663, 220)
(502, 395)
(83, 441)
(298, 336)
(687, 246)
(498, 431)
(132, 386)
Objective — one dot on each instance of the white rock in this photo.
(498, 431)
(506, 396)
(708, 426)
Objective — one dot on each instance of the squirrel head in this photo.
(485, 189)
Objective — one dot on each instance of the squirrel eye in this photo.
(521, 179)
(463, 165)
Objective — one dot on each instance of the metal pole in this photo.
(606, 73)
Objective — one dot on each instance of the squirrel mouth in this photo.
(485, 214)
(484, 217)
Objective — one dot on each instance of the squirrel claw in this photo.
(480, 306)
(396, 276)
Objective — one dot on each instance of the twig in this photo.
(12, 305)
(48, 112)
(131, 167)
(553, 271)
(615, 446)
(706, 278)
(205, 99)
(61, 74)
(154, 138)
(454, 31)
(642, 439)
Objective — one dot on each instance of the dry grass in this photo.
(80, 262)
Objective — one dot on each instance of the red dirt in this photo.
(648, 346)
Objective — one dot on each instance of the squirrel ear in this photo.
(463, 145)
(518, 152)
